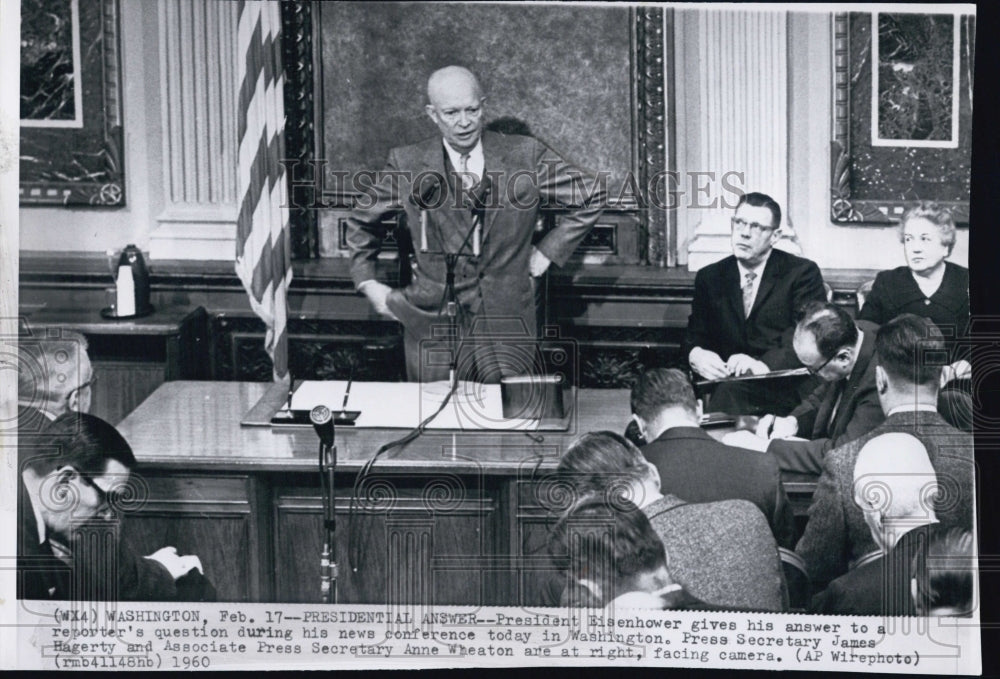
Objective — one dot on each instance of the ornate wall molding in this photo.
(300, 131)
(651, 126)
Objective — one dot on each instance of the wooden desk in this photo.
(132, 357)
(453, 518)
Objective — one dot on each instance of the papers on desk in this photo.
(404, 405)
(773, 375)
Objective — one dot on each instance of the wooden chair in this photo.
(796, 580)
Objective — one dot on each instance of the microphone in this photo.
(322, 422)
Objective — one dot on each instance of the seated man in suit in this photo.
(894, 483)
(694, 466)
(909, 353)
(615, 558)
(74, 478)
(54, 377)
(743, 311)
(839, 351)
(721, 553)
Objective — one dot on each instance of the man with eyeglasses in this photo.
(54, 377)
(840, 352)
(74, 482)
(743, 311)
(473, 196)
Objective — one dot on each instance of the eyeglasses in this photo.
(815, 371)
(112, 498)
(755, 228)
(89, 383)
(451, 117)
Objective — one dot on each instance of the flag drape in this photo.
(263, 257)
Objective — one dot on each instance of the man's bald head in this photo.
(451, 78)
(456, 106)
(894, 480)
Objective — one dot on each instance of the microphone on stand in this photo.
(322, 421)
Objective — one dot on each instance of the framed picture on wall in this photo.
(71, 115)
(902, 126)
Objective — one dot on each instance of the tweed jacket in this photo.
(697, 468)
(836, 533)
(722, 553)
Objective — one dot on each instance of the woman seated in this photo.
(928, 285)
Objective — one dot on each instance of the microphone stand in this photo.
(450, 298)
(328, 583)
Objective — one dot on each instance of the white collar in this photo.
(913, 408)
(32, 485)
(476, 158)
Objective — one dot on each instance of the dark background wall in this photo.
(565, 71)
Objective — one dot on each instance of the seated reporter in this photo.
(927, 285)
(844, 407)
(615, 558)
(74, 482)
(721, 553)
(694, 466)
(894, 486)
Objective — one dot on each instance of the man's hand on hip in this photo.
(378, 294)
(539, 263)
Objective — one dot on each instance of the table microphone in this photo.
(322, 422)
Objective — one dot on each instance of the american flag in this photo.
(263, 259)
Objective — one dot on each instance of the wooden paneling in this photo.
(121, 386)
(213, 516)
(401, 550)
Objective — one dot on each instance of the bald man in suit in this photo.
(473, 196)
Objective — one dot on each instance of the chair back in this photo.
(796, 579)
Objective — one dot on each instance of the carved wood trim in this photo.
(297, 56)
(650, 127)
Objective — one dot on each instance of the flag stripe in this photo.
(263, 261)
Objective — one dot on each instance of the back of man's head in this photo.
(609, 546)
(942, 583)
(757, 199)
(78, 440)
(50, 370)
(662, 388)
(603, 463)
(910, 349)
(895, 481)
(830, 326)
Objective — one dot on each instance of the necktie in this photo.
(468, 179)
(748, 292)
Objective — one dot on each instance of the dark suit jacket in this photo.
(836, 533)
(717, 323)
(895, 292)
(697, 468)
(722, 552)
(43, 576)
(858, 413)
(879, 587)
(497, 283)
